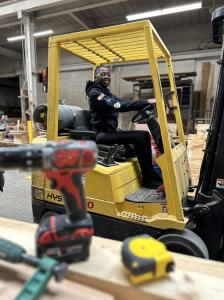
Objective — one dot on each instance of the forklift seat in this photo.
(82, 131)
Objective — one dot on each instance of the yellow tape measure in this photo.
(146, 258)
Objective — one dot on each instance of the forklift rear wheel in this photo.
(185, 242)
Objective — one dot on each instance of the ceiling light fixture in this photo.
(164, 11)
(36, 34)
(15, 38)
(43, 33)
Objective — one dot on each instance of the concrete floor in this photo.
(15, 201)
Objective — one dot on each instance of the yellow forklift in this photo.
(117, 203)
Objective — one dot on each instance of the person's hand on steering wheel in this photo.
(152, 101)
(146, 112)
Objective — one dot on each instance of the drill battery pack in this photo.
(63, 239)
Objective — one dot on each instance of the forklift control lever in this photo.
(197, 210)
(108, 160)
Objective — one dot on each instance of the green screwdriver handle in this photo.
(11, 252)
(36, 285)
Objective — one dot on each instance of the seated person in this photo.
(104, 109)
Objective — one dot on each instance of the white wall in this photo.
(74, 76)
(74, 72)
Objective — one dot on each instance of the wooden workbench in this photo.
(14, 276)
(193, 278)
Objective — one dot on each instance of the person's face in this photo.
(103, 77)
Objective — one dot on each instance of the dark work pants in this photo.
(141, 142)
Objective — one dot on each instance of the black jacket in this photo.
(104, 107)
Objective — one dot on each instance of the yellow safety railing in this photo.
(135, 41)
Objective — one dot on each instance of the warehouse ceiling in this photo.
(64, 16)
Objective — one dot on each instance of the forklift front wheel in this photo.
(185, 242)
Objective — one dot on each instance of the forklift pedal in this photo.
(146, 195)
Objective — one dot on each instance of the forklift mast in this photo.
(212, 169)
(209, 223)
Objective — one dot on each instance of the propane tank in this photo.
(66, 114)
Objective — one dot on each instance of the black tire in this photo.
(184, 242)
(48, 214)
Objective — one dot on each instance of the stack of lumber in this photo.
(193, 278)
(196, 145)
(15, 133)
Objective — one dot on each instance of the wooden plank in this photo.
(193, 278)
(195, 147)
(14, 276)
(208, 104)
(206, 89)
(204, 84)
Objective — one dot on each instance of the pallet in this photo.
(193, 278)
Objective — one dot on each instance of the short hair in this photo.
(97, 70)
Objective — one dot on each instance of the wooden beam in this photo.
(206, 85)
(193, 278)
(208, 102)
(14, 276)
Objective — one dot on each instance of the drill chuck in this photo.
(24, 157)
(50, 156)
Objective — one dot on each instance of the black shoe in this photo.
(152, 182)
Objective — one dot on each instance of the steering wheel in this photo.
(145, 113)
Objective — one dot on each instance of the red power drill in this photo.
(65, 237)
